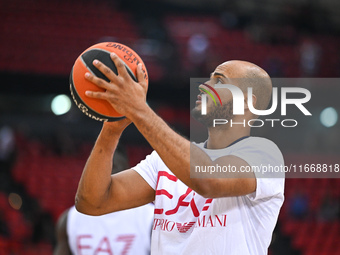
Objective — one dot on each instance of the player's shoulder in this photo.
(74, 215)
(260, 141)
(251, 141)
(63, 218)
(72, 210)
(152, 159)
(261, 144)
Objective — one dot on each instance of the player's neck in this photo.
(222, 138)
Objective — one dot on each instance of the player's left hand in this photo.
(117, 126)
(125, 95)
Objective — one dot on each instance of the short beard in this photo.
(220, 112)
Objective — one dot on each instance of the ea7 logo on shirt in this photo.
(194, 209)
(106, 245)
(238, 104)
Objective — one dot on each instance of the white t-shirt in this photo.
(187, 223)
(124, 232)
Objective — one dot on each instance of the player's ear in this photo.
(253, 101)
(245, 101)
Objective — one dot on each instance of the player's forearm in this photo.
(94, 185)
(171, 147)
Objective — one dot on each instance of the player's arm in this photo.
(62, 247)
(99, 192)
(128, 98)
(181, 156)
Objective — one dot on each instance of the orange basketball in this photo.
(98, 109)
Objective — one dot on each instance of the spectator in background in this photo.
(198, 49)
(123, 232)
(7, 148)
(299, 205)
(8, 155)
(310, 56)
(329, 209)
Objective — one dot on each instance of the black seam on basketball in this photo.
(104, 56)
(130, 72)
(85, 108)
(87, 67)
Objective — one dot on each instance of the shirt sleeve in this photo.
(147, 168)
(266, 160)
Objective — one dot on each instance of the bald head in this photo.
(245, 74)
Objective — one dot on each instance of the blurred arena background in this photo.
(42, 152)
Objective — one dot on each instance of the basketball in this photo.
(97, 109)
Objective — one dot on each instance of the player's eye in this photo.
(219, 81)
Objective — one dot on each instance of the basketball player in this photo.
(192, 215)
(123, 232)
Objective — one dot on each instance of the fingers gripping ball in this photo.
(98, 109)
